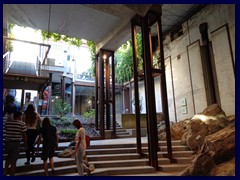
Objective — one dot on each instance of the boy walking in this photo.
(15, 130)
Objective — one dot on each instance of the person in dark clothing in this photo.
(15, 131)
(32, 120)
(10, 107)
(49, 136)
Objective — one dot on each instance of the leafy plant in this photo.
(9, 46)
(92, 48)
(124, 56)
(89, 116)
(61, 108)
(58, 37)
(69, 133)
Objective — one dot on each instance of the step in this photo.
(122, 133)
(164, 148)
(179, 160)
(120, 163)
(123, 136)
(120, 130)
(58, 171)
(122, 171)
(22, 154)
(106, 157)
(176, 154)
(107, 146)
(174, 143)
(175, 148)
(173, 167)
(38, 164)
(111, 151)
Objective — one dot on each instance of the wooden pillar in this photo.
(136, 92)
(101, 96)
(22, 99)
(164, 91)
(113, 97)
(150, 96)
(73, 97)
(96, 92)
(63, 89)
(50, 95)
(107, 105)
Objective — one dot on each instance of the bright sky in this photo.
(28, 52)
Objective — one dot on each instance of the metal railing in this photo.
(40, 59)
(6, 61)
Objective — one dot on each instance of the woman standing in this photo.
(50, 143)
(32, 120)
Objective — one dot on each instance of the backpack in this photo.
(87, 138)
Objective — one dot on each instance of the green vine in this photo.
(92, 48)
(9, 46)
(124, 56)
(58, 37)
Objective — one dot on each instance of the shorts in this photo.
(47, 152)
(12, 149)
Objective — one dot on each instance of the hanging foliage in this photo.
(9, 46)
(58, 37)
(124, 56)
(92, 48)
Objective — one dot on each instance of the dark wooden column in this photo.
(107, 79)
(101, 96)
(113, 97)
(136, 92)
(63, 88)
(22, 99)
(73, 98)
(96, 92)
(50, 95)
(164, 91)
(150, 96)
(208, 66)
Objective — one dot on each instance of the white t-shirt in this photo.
(81, 134)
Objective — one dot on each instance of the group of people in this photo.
(29, 127)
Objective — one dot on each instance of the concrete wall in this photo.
(185, 56)
(184, 70)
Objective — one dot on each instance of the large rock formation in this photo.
(193, 131)
(217, 152)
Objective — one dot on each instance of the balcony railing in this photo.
(40, 56)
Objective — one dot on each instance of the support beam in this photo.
(104, 94)
(164, 90)
(101, 96)
(113, 97)
(50, 95)
(150, 96)
(136, 88)
(73, 98)
(96, 92)
(107, 105)
(63, 88)
(22, 99)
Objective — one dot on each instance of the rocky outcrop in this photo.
(195, 134)
(217, 152)
(193, 131)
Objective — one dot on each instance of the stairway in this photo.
(122, 133)
(112, 160)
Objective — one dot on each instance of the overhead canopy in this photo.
(17, 81)
(108, 25)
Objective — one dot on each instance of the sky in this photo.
(21, 50)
